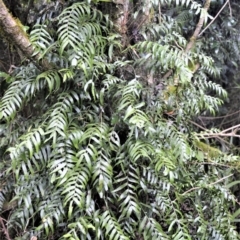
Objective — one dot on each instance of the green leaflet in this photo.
(100, 146)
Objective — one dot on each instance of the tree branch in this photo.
(194, 36)
(13, 30)
(198, 27)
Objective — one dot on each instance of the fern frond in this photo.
(80, 228)
(40, 38)
(112, 228)
(102, 177)
(51, 211)
(151, 229)
(59, 119)
(75, 189)
(126, 185)
(77, 26)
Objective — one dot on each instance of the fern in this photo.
(97, 151)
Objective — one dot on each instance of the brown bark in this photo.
(194, 37)
(13, 31)
(198, 28)
(121, 21)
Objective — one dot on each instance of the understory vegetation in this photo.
(107, 142)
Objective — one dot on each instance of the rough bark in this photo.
(120, 20)
(13, 31)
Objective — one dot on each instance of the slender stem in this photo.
(196, 188)
(4, 229)
(213, 19)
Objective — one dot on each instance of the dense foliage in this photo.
(101, 146)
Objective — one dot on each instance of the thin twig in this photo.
(219, 117)
(221, 179)
(231, 128)
(230, 9)
(223, 133)
(210, 184)
(159, 12)
(211, 135)
(214, 164)
(213, 19)
(199, 126)
(4, 229)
